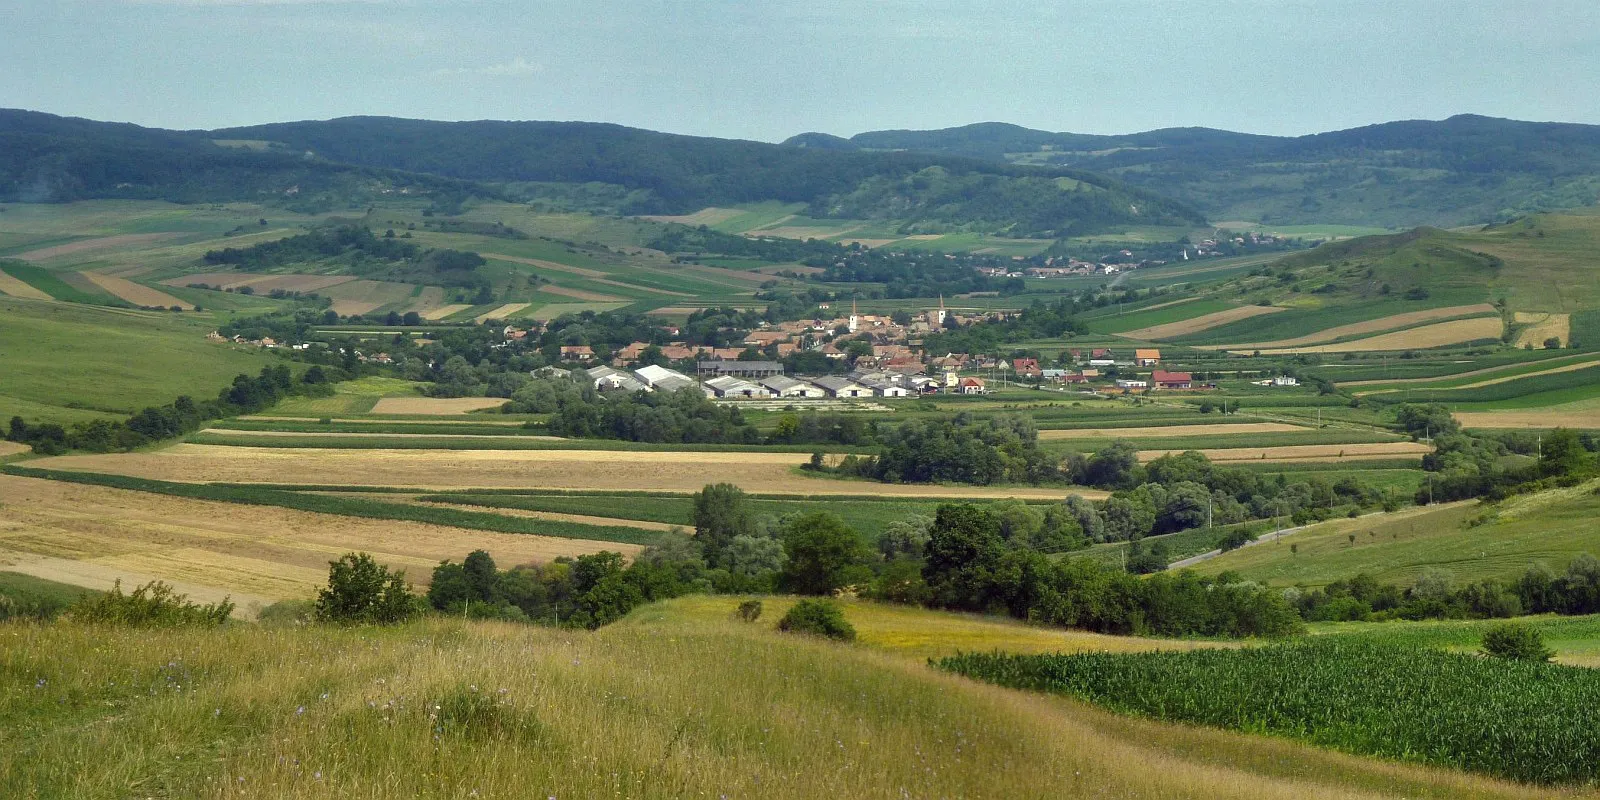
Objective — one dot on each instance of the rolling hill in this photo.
(1462, 170)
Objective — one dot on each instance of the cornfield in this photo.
(1530, 722)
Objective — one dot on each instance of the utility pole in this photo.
(1208, 511)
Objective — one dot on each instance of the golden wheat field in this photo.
(604, 470)
(1305, 452)
(137, 294)
(579, 294)
(1389, 323)
(1585, 419)
(92, 535)
(435, 405)
(1203, 322)
(1435, 335)
(1543, 326)
(17, 288)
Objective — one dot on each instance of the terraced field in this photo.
(1392, 322)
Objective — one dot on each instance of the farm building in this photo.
(1146, 357)
(1172, 380)
(842, 387)
(884, 388)
(741, 369)
(1132, 383)
(785, 386)
(728, 387)
(607, 379)
(652, 375)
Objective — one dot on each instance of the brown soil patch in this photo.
(434, 405)
(579, 294)
(17, 288)
(1305, 452)
(502, 312)
(1543, 326)
(444, 311)
(1530, 419)
(1388, 323)
(1435, 335)
(362, 296)
(135, 293)
(1219, 429)
(90, 535)
(610, 470)
(87, 245)
(1200, 323)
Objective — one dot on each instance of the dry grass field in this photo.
(444, 311)
(579, 294)
(17, 288)
(705, 216)
(361, 296)
(1586, 419)
(435, 405)
(605, 470)
(91, 535)
(262, 283)
(91, 245)
(1201, 323)
(1542, 326)
(1435, 335)
(1220, 429)
(134, 293)
(12, 448)
(1305, 452)
(1389, 323)
(503, 312)
(1585, 364)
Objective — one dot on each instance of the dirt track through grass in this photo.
(1203, 322)
(605, 470)
(1220, 429)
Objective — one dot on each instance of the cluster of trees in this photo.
(585, 592)
(686, 416)
(1038, 321)
(958, 449)
(1464, 466)
(1434, 596)
(180, 417)
(917, 273)
(363, 253)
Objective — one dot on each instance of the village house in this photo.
(764, 338)
(1172, 380)
(1144, 357)
(629, 353)
(973, 386)
(1132, 383)
(1026, 367)
(577, 352)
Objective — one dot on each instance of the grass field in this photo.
(1552, 527)
(67, 363)
(657, 706)
(1194, 325)
(1575, 640)
(1406, 319)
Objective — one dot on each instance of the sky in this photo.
(768, 69)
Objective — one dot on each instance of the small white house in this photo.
(1129, 383)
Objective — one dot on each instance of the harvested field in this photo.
(373, 421)
(1305, 452)
(88, 245)
(726, 274)
(362, 296)
(554, 310)
(579, 294)
(1543, 326)
(17, 288)
(444, 311)
(90, 535)
(135, 293)
(539, 262)
(605, 470)
(581, 519)
(1589, 420)
(1552, 371)
(671, 311)
(12, 448)
(798, 269)
(803, 232)
(1220, 429)
(435, 405)
(705, 216)
(1201, 323)
(369, 435)
(1435, 335)
(503, 312)
(1388, 323)
(262, 284)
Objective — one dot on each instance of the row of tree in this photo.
(1434, 596)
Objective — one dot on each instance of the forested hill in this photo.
(652, 172)
(49, 159)
(1462, 170)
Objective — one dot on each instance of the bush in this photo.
(362, 591)
(153, 605)
(819, 618)
(750, 610)
(288, 614)
(1516, 643)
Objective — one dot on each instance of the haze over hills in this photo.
(1463, 170)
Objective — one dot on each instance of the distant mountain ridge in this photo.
(1463, 170)
(588, 166)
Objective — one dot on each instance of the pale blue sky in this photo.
(766, 69)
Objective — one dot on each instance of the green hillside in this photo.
(67, 363)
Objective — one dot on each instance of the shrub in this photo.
(1516, 643)
(819, 618)
(750, 610)
(362, 591)
(288, 613)
(153, 605)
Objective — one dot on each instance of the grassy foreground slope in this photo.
(646, 708)
(67, 363)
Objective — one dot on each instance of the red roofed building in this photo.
(1027, 367)
(1163, 379)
